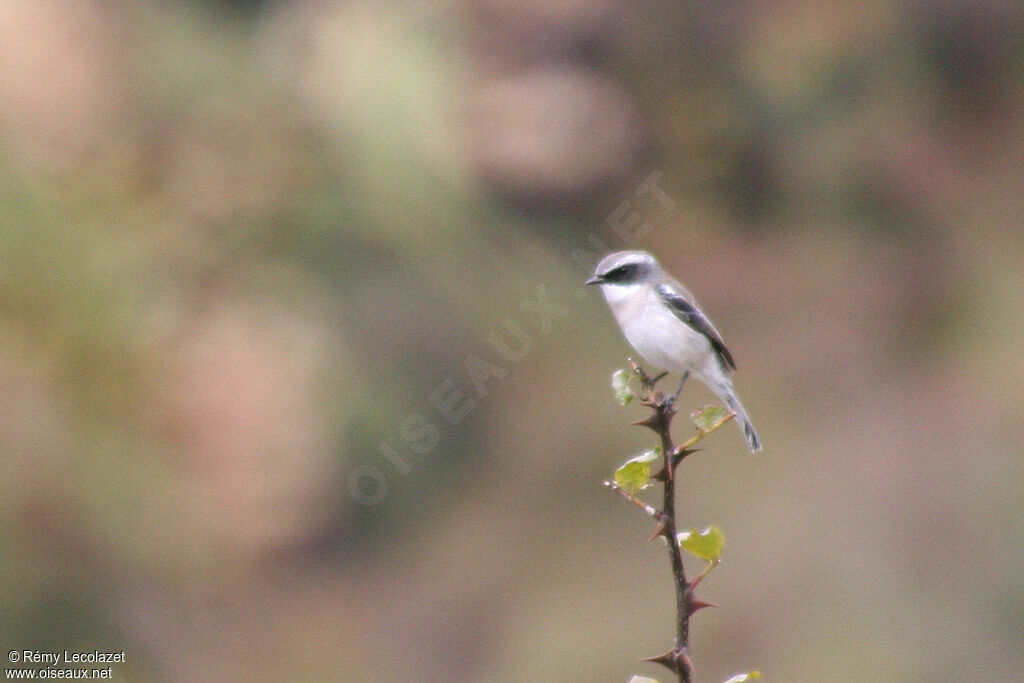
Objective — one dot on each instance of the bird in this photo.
(661, 320)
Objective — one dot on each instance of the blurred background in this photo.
(300, 381)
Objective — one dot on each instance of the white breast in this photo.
(661, 339)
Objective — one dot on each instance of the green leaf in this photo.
(708, 416)
(743, 678)
(620, 385)
(642, 679)
(707, 544)
(635, 474)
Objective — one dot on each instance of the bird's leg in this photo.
(682, 381)
(648, 385)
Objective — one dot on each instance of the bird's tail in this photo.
(742, 419)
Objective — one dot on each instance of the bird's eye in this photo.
(620, 274)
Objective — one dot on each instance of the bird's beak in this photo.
(594, 281)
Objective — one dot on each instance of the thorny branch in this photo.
(660, 421)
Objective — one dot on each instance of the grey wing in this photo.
(688, 312)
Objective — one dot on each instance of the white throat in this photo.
(618, 294)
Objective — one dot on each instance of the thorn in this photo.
(669, 660)
(663, 474)
(649, 421)
(658, 531)
(697, 604)
(675, 660)
(679, 453)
